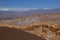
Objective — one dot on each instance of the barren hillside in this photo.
(46, 26)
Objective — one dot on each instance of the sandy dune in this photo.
(15, 34)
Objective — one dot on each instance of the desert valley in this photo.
(46, 25)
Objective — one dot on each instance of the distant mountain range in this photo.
(13, 14)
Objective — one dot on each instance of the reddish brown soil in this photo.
(15, 34)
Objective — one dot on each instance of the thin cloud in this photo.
(46, 8)
(16, 9)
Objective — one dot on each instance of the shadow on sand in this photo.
(15, 34)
